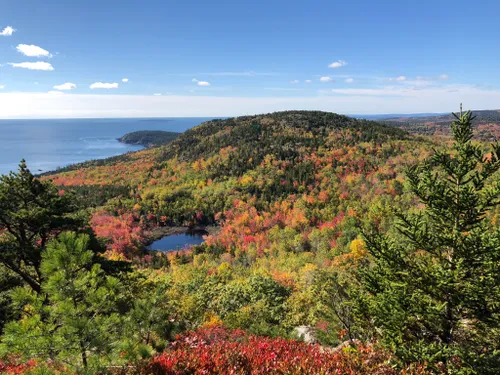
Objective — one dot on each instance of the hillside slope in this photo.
(283, 134)
(487, 124)
(264, 158)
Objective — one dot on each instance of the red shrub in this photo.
(216, 350)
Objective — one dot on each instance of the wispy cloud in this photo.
(102, 85)
(396, 91)
(229, 74)
(337, 64)
(370, 92)
(157, 94)
(326, 79)
(201, 83)
(39, 65)
(8, 31)
(399, 79)
(436, 99)
(307, 81)
(65, 86)
(55, 92)
(444, 76)
(249, 73)
(281, 89)
(32, 50)
(2, 87)
(349, 80)
(125, 80)
(295, 81)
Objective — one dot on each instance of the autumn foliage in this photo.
(216, 350)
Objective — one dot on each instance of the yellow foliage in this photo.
(246, 180)
(210, 319)
(358, 248)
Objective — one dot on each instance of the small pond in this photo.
(178, 241)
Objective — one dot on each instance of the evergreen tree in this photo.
(433, 293)
(77, 320)
(31, 212)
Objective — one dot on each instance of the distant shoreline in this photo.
(148, 138)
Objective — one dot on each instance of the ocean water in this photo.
(49, 144)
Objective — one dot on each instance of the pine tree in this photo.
(31, 213)
(433, 293)
(76, 319)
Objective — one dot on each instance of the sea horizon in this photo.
(50, 144)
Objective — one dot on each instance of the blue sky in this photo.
(236, 57)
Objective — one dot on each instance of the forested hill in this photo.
(149, 138)
(487, 124)
(285, 135)
(267, 157)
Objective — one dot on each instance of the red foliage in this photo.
(216, 350)
(14, 368)
(123, 231)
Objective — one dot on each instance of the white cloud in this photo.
(307, 81)
(337, 64)
(444, 99)
(1, 87)
(32, 50)
(203, 83)
(39, 65)
(102, 85)
(157, 94)
(295, 81)
(444, 76)
(194, 80)
(326, 79)
(8, 31)
(65, 86)
(349, 80)
(125, 80)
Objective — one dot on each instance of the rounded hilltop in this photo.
(149, 138)
(283, 134)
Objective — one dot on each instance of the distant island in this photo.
(149, 138)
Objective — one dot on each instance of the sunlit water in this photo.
(49, 144)
(178, 241)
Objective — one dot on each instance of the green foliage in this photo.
(434, 291)
(31, 212)
(77, 318)
(8, 281)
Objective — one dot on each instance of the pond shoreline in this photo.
(160, 232)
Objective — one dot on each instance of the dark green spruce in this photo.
(433, 292)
